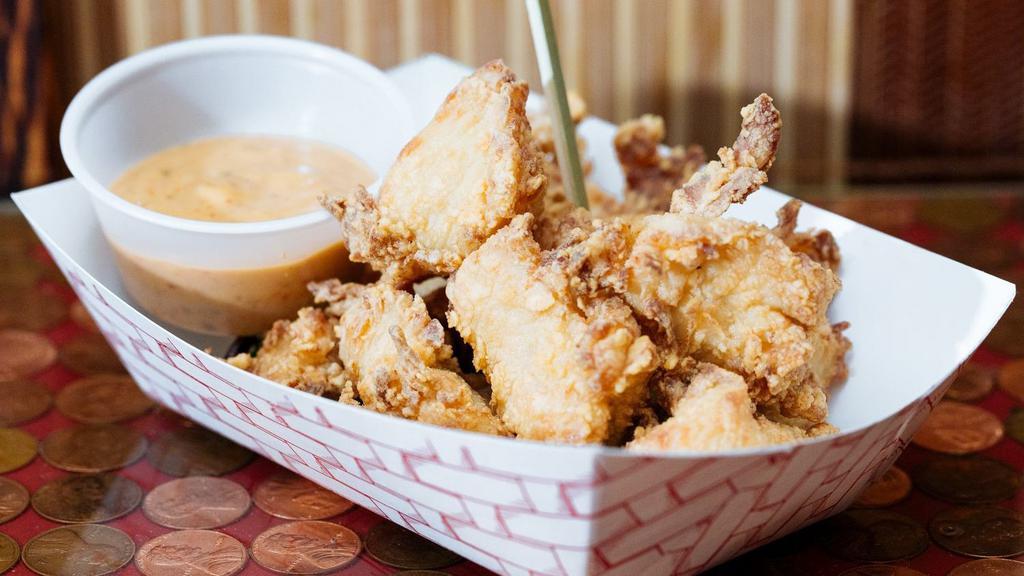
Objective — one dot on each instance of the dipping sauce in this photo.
(239, 301)
(235, 179)
(240, 178)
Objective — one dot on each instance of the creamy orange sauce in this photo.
(241, 178)
(233, 301)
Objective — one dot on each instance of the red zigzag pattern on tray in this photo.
(656, 515)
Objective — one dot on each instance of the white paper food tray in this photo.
(520, 507)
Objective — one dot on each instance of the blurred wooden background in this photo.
(870, 90)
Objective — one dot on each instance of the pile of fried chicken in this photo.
(652, 322)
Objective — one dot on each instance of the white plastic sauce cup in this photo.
(226, 85)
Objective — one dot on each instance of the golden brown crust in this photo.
(464, 176)
(301, 354)
(562, 367)
(726, 292)
(713, 411)
(705, 332)
(739, 170)
(397, 356)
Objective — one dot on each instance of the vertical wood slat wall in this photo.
(695, 62)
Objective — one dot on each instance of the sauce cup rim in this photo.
(112, 78)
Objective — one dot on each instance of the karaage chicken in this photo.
(562, 368)
(301, 354)
(711, 410)
(726, 291)
(464, 176)
(397, 356)
(681, 330)
(739, 170)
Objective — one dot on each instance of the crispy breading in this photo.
(398, 358)
(301, 354)
(652, 176)
(739, 170)
(818, 245)
(727, 292)
(712, 411)
(464, 176)
(562, 368)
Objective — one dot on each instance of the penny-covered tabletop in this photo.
(96, 479)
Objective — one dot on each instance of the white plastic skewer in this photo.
(545, 44)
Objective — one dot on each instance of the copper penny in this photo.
(91, 448)
(197, 452)
(973, 480)
(78, 550)
(306, 547)
(872, 536)
(395, 546)
(23, 401)
(9, 552)
(86, 499)
(1011, 377)
(198, 502)
(81, 316)
(103, 399)
(32, 309)
(25, 353)
(989, 567)
(17, 449)
(90, 354)
(982, 531)
(288, 495)
(13, 499)
(192, 553)
(881, 570)
(957, 428)
(892, 487)
(973, 383)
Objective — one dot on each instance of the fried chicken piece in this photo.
(398, 358)
(651, 176)
(562, 368)
(463, 177)
(712, 411)
(740, 170)
(301, 354)
(727, 292)
(818, 245)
